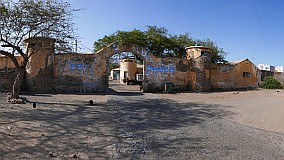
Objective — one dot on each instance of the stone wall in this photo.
(7, 73)
(186, 75)
(243, 74)
(6, 62)
(89, 73)
(40, 69)
(279, 76)
(7, 77)
(75, 73)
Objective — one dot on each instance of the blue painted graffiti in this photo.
(80, 67)
(86, 66)
(160, 69)
(72, 66)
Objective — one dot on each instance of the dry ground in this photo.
(133, 125)
(263, 109)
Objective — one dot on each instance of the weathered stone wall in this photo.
(223, 77)
(203, 73)
(279, 76)
(49, 72)
(75, 73)
(6, 62)
(243, 74)
(40, 70)
(7, 73)
(186, 75)
(7, 77)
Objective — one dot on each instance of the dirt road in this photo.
(128, 124)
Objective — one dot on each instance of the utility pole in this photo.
(76, 46)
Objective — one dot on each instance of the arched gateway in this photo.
(103, 56)
(89, 72)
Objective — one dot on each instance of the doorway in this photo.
(126, 72)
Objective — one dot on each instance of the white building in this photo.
(279, 68)
(266, 67)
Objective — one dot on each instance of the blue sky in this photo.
(232, 24)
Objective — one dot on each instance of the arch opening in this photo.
(124, 67)
(125, 72)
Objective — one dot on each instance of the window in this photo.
(246, 74)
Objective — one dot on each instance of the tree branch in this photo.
(17, 48)
(13, 58)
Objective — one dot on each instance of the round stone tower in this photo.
(201, 57)
(128, 69)
(40, 74)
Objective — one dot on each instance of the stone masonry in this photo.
(73, 73)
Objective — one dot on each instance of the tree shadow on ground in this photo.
(120, 129)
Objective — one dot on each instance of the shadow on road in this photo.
(130, 129)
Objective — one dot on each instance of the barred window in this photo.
(246, 74)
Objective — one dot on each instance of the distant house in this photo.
(129, 69)
(234, 75)
(272, 71)
(279, 68)
(266, 67)
(278, 74)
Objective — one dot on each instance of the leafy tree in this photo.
(271, 83)
(179, 43)
(113, 65)
(158, 41)
(218, 53)
(32, 18)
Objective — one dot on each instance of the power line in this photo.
(260, 25)
(77, 42)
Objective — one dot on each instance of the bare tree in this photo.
(25, 19)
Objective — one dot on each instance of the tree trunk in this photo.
(18, 82)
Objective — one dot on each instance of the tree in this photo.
(158, 41)
(218, 53)
(271, 83)
(26, 19)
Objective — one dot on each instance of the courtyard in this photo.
(128, 124)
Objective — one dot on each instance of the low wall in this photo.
(7, 77)
(7, 73)
(186, 75)
(88, 73)
(75, 73)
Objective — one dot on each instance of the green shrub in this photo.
(271, 83)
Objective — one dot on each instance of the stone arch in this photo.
(102, 57)
(89, 72)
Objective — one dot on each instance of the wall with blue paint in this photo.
(89, 73)
(75, 73)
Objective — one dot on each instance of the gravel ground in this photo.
(134, 125)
